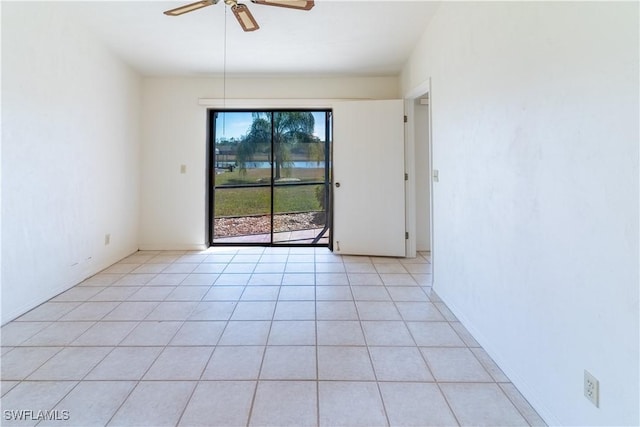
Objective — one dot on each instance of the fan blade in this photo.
(190, 7)
(293, 4)
(244, 17)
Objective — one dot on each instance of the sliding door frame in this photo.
(328, 176)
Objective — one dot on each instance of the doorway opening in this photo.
(419, 106)
(423, 174)
(270, 177)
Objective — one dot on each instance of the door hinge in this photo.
(406, 119)
(406, 177)
(406, 235)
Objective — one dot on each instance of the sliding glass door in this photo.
(270, 177)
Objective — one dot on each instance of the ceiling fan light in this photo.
(244, 17)
(190, 7)
(293, 4)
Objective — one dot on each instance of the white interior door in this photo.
(368, 176)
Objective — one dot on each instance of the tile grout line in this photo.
(137, 383)
(315, 311)
(373, 369)
(512, 403)
(427, 364)
(145, 319)
(204, 366)
(264, 354)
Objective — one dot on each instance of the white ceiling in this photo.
(336, 37)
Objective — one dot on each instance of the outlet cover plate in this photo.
(591, 388)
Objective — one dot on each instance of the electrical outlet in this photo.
(591, 388)
(107, 239)
(183, 168)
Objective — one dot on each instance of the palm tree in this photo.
(287, 128)
(256, 140)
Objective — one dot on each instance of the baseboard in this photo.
(523, 386)
(172, 247)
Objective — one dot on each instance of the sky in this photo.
(236, 124)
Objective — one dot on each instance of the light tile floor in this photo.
(253, 336)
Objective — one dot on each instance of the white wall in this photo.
(535, 135)
(423, 176)
(173, 205)
(70, 155)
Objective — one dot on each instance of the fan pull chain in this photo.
(224, 76)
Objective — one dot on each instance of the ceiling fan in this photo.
(241, 11)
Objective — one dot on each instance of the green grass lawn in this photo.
(257, 200)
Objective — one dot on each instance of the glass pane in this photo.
(299, 146)
(299, 216)
(242, 215)
(299, 154)
(242, 150)
(242, 179)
